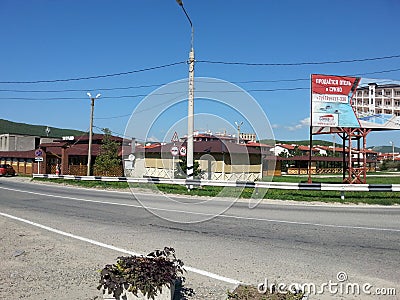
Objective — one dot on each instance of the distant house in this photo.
(292, 149)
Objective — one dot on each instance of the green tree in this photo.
(107, 162)
(180, 171)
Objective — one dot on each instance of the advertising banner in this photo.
(331, 101)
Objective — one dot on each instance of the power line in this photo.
(298, 63)
(98, 76)
(157, 94)
(82, 90)
(200, 61)
(120, 134)
(113, 117)
(82, 98)
(162, 84)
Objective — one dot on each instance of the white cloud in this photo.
(152, 139)
(301, 124)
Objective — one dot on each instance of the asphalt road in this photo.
(288, 243)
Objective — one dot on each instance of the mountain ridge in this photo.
(36, 130)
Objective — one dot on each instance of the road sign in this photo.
(174, 151)
(39, 152)
(175, 137)
(182, 151)
(38, 158)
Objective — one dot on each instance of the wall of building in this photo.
(12, 142)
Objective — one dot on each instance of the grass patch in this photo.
(381, 198)
(245, 292)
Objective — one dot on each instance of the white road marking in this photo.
(207, 214)
(111, 247)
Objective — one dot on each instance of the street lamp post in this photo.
(238, 125)
(392, 143)
(91, 131)
(189, 159)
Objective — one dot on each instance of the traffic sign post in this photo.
(182, 151)
(38, 153)
(174, 151)
(175, 137)
(38, 158)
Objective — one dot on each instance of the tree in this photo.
(107, 162)
(180, 172)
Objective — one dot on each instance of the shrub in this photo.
(145, 274)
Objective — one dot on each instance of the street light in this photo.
(91, 131)
(189, 161)
(391, 143)
(238, 129)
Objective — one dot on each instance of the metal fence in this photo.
(341, 187)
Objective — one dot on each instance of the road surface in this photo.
(276, 241)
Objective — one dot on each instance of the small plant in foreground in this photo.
(145, 274)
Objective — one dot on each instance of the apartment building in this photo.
(377, 103)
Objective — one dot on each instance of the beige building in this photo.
(218, 159)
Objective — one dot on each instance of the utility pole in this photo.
(91, 131)
(189, 159)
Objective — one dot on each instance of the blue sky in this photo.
(48, 40)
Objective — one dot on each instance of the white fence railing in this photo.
(341, 187)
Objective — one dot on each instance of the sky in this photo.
(128, 50)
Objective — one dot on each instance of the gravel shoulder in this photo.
(41, 265)
(37, 264)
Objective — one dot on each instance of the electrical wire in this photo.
(82, 90)
(95, 77)
(201, 61)
(298, 63)
(156, 94)
(145, 95)
(119, 134)
(162, 84)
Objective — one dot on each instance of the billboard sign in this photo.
(331, 101)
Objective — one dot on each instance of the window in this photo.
(387, 102)
(379, 93)
(387, 93)
(397, 93)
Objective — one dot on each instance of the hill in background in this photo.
(38, 130)
(303, 143)
(385, 149)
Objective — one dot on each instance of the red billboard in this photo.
(331, 105)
